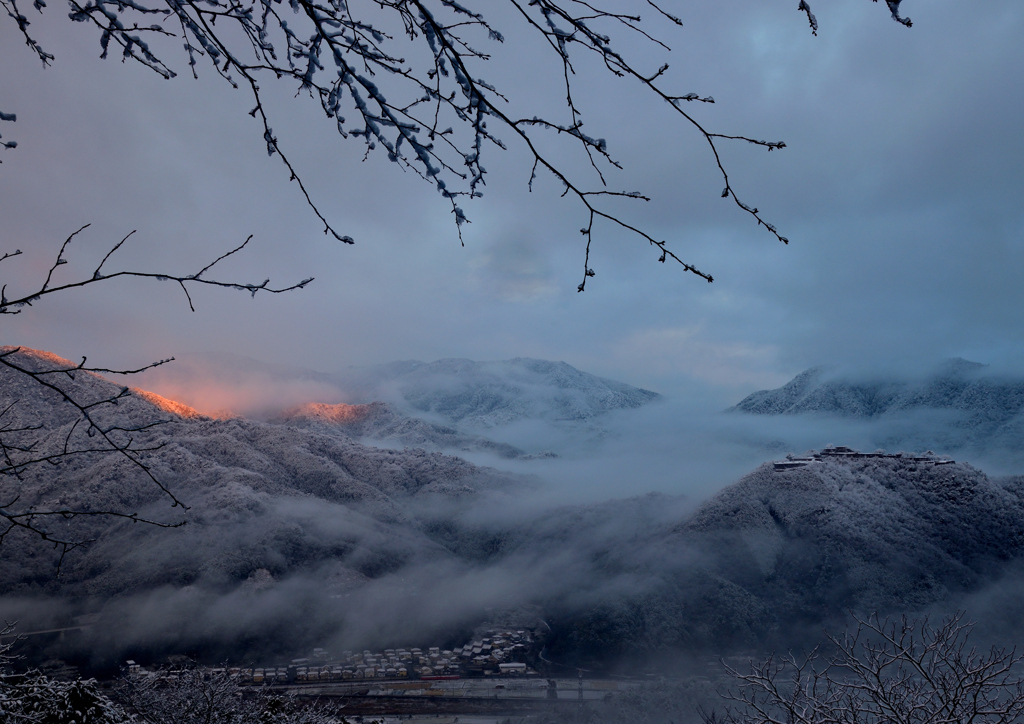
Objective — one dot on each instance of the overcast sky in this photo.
(901, 190)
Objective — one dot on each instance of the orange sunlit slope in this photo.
(175, 408)
(340, 414)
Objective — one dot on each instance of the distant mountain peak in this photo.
(958, 405)
(490, 394)
(820, 389)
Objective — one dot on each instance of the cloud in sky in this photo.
(899, 189)
(688, 351)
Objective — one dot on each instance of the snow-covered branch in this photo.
(405, 77)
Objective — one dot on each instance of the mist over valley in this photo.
(627, 531)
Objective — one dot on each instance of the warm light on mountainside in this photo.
(167, 405)
(340, 414)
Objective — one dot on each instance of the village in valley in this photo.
(500, 653)
(493, 675)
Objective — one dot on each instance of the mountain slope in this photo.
(960, 407)
(871, 534)
(261, 496)
(489, 394)
(450, 404)
(955, 385)
(298, 535)
(380, 421)
(778, 554)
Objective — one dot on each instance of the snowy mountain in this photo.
(960, 407)
(449, 405)
(261, 497)
(380, 421)
(298, 535)
(489, 394)
(879, 533)
(958, 384)
(774, 557)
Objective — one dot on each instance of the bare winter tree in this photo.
(33, 698)
(407, 78)
(203, 696)
(172, 696)
(87, 424)
(900, 672)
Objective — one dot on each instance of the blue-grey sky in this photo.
(901, 191)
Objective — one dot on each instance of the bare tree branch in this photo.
(347, 55)
(900, 671)
(13, 306)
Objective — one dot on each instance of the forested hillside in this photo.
(298, 535)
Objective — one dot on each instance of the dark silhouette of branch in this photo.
(27, 447)
(410, 110)
(13, 306)
(7, 144)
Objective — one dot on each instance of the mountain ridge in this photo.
(955, 384)
(491, 394)
(959, 407)
(483, 402)
(299, 535)
(381, 421)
